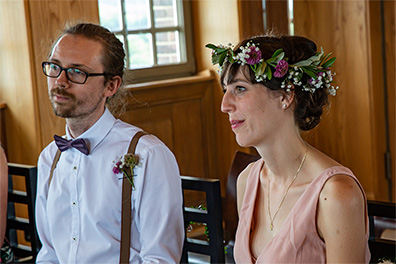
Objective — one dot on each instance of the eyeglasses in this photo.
(53, 70)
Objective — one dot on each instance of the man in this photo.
(78, 209)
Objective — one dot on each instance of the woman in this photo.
(295, 204)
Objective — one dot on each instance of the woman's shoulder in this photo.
(341, 188)
(243, 176)
(243, 179)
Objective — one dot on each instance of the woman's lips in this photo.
(236, 123)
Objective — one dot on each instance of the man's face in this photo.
(72, 100)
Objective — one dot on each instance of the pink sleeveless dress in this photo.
(297, 241)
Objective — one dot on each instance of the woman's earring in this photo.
(285, 105)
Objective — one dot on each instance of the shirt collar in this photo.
(96, 133)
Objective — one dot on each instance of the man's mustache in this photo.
(61, 92)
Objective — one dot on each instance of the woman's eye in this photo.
(240, 89)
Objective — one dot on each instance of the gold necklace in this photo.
(284, 195)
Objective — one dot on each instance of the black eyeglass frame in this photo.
(44, 63)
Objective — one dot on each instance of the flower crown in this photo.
(316, 67)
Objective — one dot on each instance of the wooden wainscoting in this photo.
(180, 112)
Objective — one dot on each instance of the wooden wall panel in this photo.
(48, 18)
(250, 17)
(390, 45)
(346, 132)
(180, 113)
(16, 83)
(277, 16)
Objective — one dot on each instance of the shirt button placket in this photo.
(75, 208)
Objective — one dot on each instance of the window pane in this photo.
(121, 38)
(168, 49)
(140, 51)
(165, 14)
(137, 14)
(110, 14)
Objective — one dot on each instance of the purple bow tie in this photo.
(64, 144)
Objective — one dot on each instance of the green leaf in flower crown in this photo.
(279, 57)
(268, 72)
(328, 63)
(277, 52)
(309, 61)
(222, 57)
(221, 50)
(311, 68)
(211, 46)
(323, 60)
(310, 73)
(270, 60)
(261, 69)
(215, 59)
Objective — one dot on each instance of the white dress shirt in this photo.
(79, 216)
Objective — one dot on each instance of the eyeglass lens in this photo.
(75, 75)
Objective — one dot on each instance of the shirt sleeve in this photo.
(46, 253)
(159, 210)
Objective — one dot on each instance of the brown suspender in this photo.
(126, 207)
(126, 201)
(56, 159)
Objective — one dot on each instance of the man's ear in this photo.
(112, 86)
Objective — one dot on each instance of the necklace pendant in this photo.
(272, 227)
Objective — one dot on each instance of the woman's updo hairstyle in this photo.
(309, 106)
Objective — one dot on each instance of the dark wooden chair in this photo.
(212, 216)
(230, 213)
(382, 215)
(15, 225)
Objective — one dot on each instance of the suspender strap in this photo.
(126, 207)
(56, 159)
(126, 201)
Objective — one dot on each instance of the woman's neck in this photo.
(283, 157)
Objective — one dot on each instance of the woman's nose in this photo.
(227, 104)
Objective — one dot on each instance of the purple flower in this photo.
(281, 69)
(254, 56)
(116, 168)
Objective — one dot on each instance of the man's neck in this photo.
(77, 126)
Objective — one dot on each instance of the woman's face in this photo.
(254, 111)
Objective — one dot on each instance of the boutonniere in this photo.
(125, 165)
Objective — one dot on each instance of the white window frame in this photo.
(158, 72)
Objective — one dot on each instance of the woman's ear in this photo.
(287, 98)
(112, 86)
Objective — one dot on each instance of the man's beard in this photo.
(74, 107)
(60, 109)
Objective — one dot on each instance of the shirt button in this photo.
(75, 168)
(74, 203)
(74, 238)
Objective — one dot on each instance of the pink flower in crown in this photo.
(281, 69)
(254, 56)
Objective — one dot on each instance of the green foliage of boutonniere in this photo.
(125, 165)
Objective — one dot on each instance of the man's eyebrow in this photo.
(73, 65)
